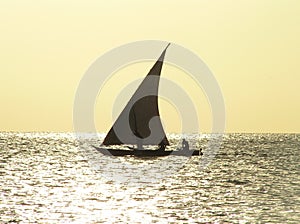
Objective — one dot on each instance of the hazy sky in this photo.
(251, 46)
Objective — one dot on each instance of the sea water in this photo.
(53, 178)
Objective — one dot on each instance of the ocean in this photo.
(54, 178)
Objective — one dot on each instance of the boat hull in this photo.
(148, 153)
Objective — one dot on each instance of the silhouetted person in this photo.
(162, 146)
(185, 145)
(200, 152)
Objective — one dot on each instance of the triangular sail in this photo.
(141, 114)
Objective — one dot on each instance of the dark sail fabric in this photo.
(139, 120)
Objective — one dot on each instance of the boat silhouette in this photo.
(139, 123)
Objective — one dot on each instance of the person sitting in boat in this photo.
(200, 152)
(162, 146)
(185, 145)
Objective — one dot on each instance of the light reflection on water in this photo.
(46, 179)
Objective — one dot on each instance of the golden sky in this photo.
(252, 48)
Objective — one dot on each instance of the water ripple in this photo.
(45, 178)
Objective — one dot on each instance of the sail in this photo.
(141, 114)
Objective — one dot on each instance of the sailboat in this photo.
(139, 123)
